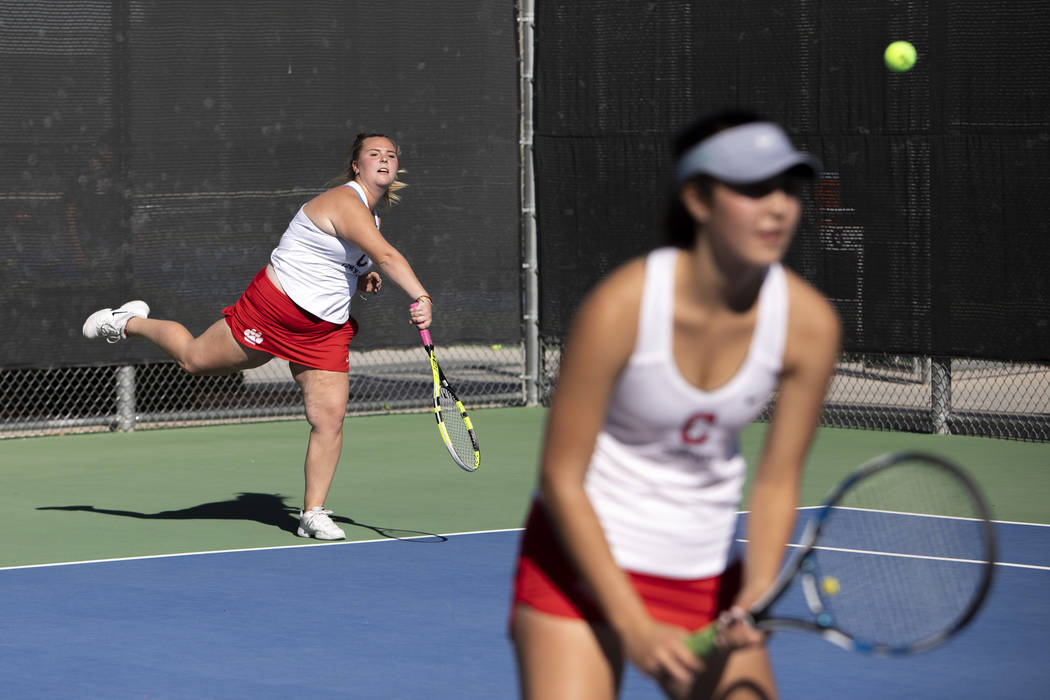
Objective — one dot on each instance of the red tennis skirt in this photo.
(546, 580)
(266, 319)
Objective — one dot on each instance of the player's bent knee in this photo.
(194, 366)
(328, 420)
(191, 368)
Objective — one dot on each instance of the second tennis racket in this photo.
(898, 559)
(453, 423)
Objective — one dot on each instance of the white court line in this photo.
(915, 556)
(394, 539)
(1014, 522)
(251, 549)
(895, 512)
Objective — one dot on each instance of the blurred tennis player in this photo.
(298, 308)
(627, 546)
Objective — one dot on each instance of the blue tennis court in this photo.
(415, 618)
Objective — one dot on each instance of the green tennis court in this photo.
(98, 496)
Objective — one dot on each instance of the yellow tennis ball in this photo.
(830, 585)
(900, 56)
(497, 347)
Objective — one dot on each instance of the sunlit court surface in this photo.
(156, 154)
(151, 572)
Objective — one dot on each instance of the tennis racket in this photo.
(452, 420)
(897, 559)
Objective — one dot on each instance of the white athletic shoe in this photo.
(316, 523)
(109, 323)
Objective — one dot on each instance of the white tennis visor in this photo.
(744, 154)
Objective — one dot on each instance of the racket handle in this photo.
(423, 333)
(704, 641)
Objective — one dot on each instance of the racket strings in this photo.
(458, 433)
(903, 556)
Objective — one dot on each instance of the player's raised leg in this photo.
(215, 351)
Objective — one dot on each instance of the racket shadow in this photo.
(394, 533)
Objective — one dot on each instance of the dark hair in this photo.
(679, 226)
(390, 198)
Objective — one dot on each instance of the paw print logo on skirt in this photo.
(253, 336)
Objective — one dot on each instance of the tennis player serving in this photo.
(627, 547)
(298, 308)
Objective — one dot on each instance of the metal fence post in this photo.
(530, 257)
(941, 393)
(126, 398)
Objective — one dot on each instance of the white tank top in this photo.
(317, 270)
(666, 475)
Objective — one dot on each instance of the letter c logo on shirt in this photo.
(695, 430)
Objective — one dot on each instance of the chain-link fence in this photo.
(872, 391)
(955, 396)
(135, 397)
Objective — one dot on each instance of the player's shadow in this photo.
(265, 508)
